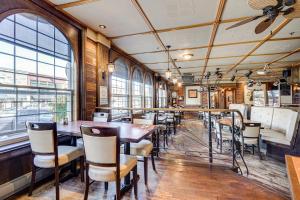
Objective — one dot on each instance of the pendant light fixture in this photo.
(174, 80)
(179, 84)
(168, 73)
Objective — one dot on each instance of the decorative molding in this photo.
(97, 37)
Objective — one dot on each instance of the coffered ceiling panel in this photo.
(196, 63)
(243, 33)
(159, 66)
(151, 57)
(237, 9)
(292, 29)
(192, 70)
(278, 46)
(232, 50)
(197, 53)
(119, 17)
(138, 43)
(193, 37)
(294, 57)
(223, 61)
(175, 13)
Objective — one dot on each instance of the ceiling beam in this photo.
(285, 56)
(151, 27)
(74, 3)
(213, 34)
(264, 40)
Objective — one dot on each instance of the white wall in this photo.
(192, 101)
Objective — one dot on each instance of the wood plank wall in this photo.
(239, 93)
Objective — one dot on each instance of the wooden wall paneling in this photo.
(90, 78)
(239, 94)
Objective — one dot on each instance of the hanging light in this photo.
(174, 80)
(111, 67)
(168, 72)
(179, 84)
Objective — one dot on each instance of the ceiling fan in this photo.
(271, 10)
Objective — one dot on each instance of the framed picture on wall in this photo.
(192, 94)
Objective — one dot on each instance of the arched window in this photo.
(36, 73)
(148, 91)
(119, 86)
(137, 88)
(162, 95)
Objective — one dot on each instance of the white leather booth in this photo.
(279, 124)
(243, 108)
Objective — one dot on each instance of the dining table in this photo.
(129, 133)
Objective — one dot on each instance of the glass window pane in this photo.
(25, 53)
(45, 58)
(25, 34)
(45, 27)
(21, 120)
(8, 109)
(59, 36)
(7, 28)
(27, 20)
(6, 62)
(26, 80)
(6, 47)
(46, 82)
(7, 124)
(25, 66)
(28, 95)
(61, 48)
(6, 78)
(45, 42)
(46, 70)
(62, 62)
(47, 117)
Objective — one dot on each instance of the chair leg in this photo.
(106, 186)
(153, 163)
(57, 182)
(135, 177)
(87, 183)
(253, 149)
(221, 146)
(146, 170)
(32, 179)
(258, 149)
(82, 168)
(118, 189)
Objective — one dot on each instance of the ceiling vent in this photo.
(188, 78)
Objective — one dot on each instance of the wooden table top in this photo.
(228, 121)
(128, 132)
(293, 170)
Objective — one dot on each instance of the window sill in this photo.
(17, 138)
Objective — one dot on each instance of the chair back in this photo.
(101, 145)
(42, 137)
(251, 130)
(143, 121)
(100, 117)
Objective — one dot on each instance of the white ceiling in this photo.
(187, 26)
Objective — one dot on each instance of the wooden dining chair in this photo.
(143, 148)
(250, 136)
(222, 135)
(103, 159)
(46, 153)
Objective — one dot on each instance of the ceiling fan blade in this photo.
(261, 4)
(262, 26)
(296, 12)
(245, 21)
(288, 11)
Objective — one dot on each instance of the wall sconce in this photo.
(179, 84)
(111, 67)
(174, 81)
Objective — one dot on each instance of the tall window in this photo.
(137, 88)
(119, 85)
(162, 96)
(36, 73)
(148, 92)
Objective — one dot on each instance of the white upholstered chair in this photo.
(46, 153)
(144, 148)
(222, 135)
(250, 136)
(100, 117)
(103, 159)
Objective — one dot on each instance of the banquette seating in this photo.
(279, 124)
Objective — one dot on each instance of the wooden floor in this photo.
(173, 181)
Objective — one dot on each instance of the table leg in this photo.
(73, 163)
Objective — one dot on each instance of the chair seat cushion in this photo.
(274, 136)
(127, 163)
(65, 155)
(250, 141)
(143, 148)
